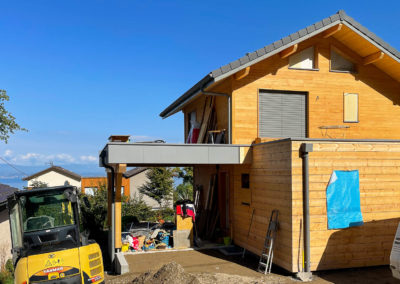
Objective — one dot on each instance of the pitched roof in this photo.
(133, 172)
(5, 191)
(274, 48)
(57, 169)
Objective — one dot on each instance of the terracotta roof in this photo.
(57, 169)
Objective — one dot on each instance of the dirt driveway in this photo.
(201, 263)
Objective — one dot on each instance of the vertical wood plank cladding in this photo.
(270, 188)
(379, 115)
(367, 245)
(98, 181)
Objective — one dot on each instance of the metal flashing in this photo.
(160, 154)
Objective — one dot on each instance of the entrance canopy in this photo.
(163, 154)
(120, 155)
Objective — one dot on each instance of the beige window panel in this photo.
(303, 59)
(350, 105)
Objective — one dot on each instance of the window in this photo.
(46, 211)
(191, 123)
(244, 193)
(16, 234)
(191, 119)
(245, 181)
(339, 63)
(304, 59)
(90, 190)
(350, 105)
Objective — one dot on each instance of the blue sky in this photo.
(78, 71)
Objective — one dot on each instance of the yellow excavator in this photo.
(47, 244)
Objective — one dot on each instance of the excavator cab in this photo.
(48, 246)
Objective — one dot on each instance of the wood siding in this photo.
(368, 245)
(98, 181)
(379, 114)
(276, 183)
(270, 188)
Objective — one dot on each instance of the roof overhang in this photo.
(390, 64)
(161, 154)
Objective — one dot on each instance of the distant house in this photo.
(91, 184)
(5, 241)
(137, 177)
(54, 176)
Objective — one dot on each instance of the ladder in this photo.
(267, 254)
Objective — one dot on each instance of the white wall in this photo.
(53, 178)
(136, 182)
(5, 239)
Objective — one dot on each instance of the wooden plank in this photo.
(242, 73)
(372, 58)
(203, 128)
(110, 187)
(117, 210)
(288, 51)
(331, 31)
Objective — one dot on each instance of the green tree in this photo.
(136, 209)
(160, 184)
(7, 120)
(185, 189)
(94, 217)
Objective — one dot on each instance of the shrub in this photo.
(167, 214)
(7, 272)
(135, 211)
(10, 266)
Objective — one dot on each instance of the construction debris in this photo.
(169, 273)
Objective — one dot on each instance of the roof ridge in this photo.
(274, 48)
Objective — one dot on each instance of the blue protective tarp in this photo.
(343, 200)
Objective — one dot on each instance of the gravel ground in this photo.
(213, 267)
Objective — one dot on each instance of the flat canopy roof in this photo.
(163, 154)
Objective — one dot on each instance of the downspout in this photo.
(229, 110)
(304, 150)
(106, 165)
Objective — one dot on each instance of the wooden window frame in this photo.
(344, 108)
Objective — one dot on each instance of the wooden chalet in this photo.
(333, 85)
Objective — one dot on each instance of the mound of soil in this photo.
(170, 273)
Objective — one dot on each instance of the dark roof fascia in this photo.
(56, 169)
(193, 91)
(134, 172)
(276, 47)
(328, 140)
